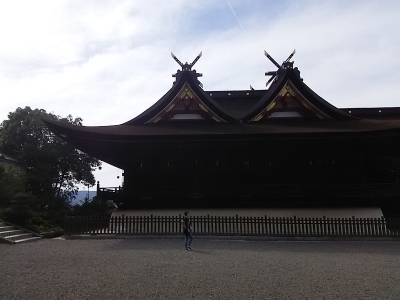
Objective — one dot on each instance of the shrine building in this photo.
(284, 146)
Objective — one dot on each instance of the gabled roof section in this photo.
(187, 105)
(237, 103)
(186, 100)
(289, 96)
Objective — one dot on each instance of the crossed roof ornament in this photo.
(188, 67)
(287, 64)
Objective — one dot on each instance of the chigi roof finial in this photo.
(188, 67)
(287, 64)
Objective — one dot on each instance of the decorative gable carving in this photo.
(186, 106)
(290, 103)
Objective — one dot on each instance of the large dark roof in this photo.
(239, 117)
(243, 106)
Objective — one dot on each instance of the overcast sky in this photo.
(108, 61)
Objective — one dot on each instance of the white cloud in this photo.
(109, 61)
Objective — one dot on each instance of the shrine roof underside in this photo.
(187, 128)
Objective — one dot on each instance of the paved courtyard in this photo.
(217, 269)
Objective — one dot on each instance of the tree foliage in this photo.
(12, 184)
(53, 168)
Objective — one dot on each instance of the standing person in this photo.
(111, 207)
(187, 230)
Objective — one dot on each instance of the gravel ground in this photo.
(217, 269)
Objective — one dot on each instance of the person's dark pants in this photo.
(188, 239)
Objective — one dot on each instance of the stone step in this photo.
(6, 228)
(14, 234)
(17, 237)
(7, 233)
(31, 239)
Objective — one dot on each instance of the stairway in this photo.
(13, 234)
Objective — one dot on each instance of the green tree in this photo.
(12, 183)
(53, 168)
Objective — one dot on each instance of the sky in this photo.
(108, 61)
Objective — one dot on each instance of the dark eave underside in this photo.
(293, 128)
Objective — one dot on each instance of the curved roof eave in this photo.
(210, 129)
(182, 78)
(293, 75)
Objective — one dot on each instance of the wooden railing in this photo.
(237, 225)
(370, 189)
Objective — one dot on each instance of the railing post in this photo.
(370, 227)
(180, 227)
(300, 226)
(273, 225)
(389, 227)
(358, 226)
(237, 225)
(123, 224)
(347, 230)
(117, 224)
(353, 226)
(265, 229)
(168, 224)
(377, 227)
(151, 224)
(361, 227)
(305, 226)
(200, 225)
